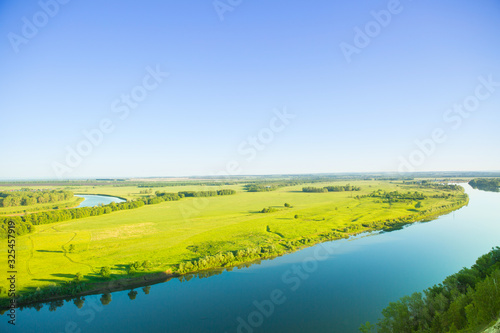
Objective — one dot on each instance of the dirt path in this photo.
(31, 256)
(65, 252)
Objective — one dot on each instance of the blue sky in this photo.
(228, 78)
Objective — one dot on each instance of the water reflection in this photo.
(132, 294)
(79, 301)
(106, 299)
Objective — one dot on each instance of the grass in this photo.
(177, 231)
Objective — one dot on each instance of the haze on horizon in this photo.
(128, 89)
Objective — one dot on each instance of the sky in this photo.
(92, 89)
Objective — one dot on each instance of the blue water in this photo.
(95, 200)
(328, 293)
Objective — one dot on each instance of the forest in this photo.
(338, 188)
(27, 197)
(491, 184)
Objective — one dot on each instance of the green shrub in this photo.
(105, 271)
(78, 277)
(269, 210)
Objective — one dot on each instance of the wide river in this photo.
(331, 287)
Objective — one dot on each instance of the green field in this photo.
(173, 232)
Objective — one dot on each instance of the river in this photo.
(92, 200)
(331, 287)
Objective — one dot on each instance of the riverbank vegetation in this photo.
(467, 301)
(486, 184)
(198, 232)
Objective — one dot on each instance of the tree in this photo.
(287, 205)
(105, 271)
(296, 216)
(78, 277)
(418, 205)
(71, 248)
(367, 328)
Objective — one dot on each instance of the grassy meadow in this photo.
(173, 232)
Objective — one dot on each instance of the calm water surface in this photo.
(348, 287)
(94, 200)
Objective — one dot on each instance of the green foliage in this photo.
(27, 197)
(486, 184)
(206, 193)
(137, 266)
(226, 192)
(367, 327)
(287, 205)
(396, 196)
(105, 271)
(78, 277)
(269, 210)
(312, 189)
(341, 188)
(228, 259)
(337, 188)
(261, 187)
(466, 300)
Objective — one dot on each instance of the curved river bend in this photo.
(92, 200)
(352, 281)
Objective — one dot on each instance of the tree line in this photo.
(206, 193)
(464, 301)
(396, 196)
(261, 187)
(492, 184)
(338, 188)
(27, 197)
(229, 258)
(434, 185)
